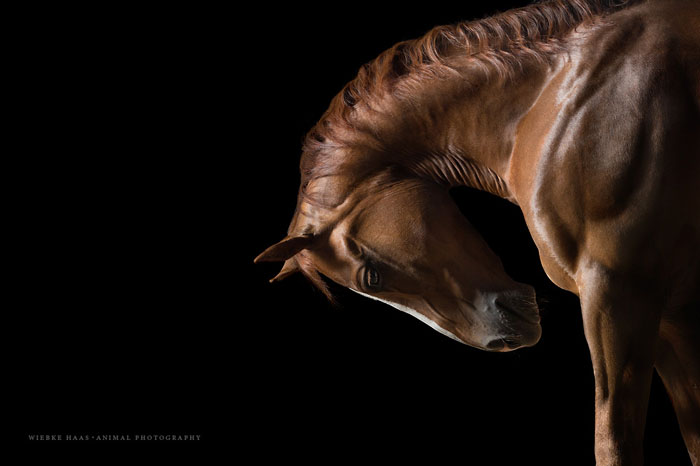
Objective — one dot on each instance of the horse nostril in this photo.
(495, 345)
(511, 342)
(503, 304)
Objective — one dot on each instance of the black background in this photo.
(158, 155)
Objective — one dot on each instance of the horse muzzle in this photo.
(516, 316)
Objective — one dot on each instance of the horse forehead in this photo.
(386, 208)
(374, 226)
(383, 218)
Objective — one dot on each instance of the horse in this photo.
(583, 113)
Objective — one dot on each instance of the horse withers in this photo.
(585, 114)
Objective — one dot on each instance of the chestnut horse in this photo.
(585, 114)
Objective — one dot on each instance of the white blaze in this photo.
(415, 314)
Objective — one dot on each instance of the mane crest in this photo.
(496, 45)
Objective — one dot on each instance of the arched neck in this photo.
(463, 135)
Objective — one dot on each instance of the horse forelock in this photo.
(309, 270)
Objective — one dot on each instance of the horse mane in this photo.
(496, 46)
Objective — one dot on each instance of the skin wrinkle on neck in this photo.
(453, 170)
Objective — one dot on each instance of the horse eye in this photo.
(372, 278)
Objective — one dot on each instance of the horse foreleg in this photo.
(678, 364)
(621, 324)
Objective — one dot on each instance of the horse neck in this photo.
(461, 134)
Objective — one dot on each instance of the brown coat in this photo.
(587, 116)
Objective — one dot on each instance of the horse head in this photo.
(404, 242)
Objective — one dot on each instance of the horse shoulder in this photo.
(607, 174)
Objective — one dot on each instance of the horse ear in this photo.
(285, 249)
(290, 267)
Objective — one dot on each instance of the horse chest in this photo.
(558, 253)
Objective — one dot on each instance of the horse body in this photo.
(614, 208)
(595, 135)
